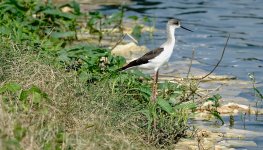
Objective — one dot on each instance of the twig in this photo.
(191, 63)
(219, 59)
(193, 92)
(121, 39)
(49, 33)
(131, 37)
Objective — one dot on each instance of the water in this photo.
(249, 126)
(211, 22)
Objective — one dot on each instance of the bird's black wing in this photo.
(144, 59)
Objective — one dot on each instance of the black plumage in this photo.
(144, 59)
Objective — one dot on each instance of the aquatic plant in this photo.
(257, 93)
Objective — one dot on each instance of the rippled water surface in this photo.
(211, 21)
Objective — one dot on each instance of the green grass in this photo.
(55, 95)
(72, 115)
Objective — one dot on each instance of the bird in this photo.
(158, 57)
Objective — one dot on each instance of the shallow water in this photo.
(249, 126)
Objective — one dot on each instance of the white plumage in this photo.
(158, 57)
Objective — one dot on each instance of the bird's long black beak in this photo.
(186, 28)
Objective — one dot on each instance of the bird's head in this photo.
(174, 23)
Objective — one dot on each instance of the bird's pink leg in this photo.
(156, 83)
(154, 88)
(154, 94)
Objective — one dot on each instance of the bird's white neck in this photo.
(170, 37)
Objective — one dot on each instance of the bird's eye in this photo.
(176, 23)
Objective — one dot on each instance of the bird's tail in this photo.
(123, 68)
(129, 65)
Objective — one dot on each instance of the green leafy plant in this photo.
(137, 31)
(164, 121)
(22, 99)
(257, 93)
(10, 87)
(215, 99)
(101, 25)
(91, 62)
(253, 80)
(140, 23)
(166, 124)
(43, 19)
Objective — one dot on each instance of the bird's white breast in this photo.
(164, 56)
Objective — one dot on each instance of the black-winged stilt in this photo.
(159, 56)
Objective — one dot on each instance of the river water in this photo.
(211, 22)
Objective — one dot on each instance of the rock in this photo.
(221, 147)
(202, 139)
(233, 108)
(237, 106)
(129, 50)
(233, 135)
(237, 143)
(226, 110)
(231, 132)
(230, 108)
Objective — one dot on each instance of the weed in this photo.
(215, 99)
(231, 121)
(102, 25)
(137, 28)
(258, 95)
(40, 18)
(91, 62)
